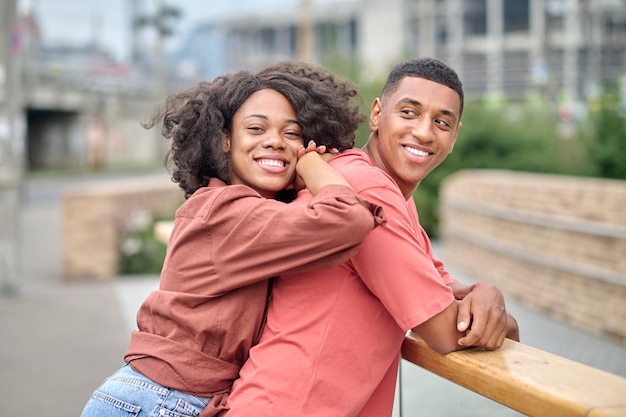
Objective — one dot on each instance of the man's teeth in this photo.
(416, 151)
(271, 162)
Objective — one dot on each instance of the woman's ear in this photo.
(225, 141)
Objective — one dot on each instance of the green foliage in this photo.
(606, 148)
(513, 138)
(139, 251)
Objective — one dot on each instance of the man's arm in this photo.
(482, 314)
(438, 333)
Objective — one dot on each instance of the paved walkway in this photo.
(59, 339)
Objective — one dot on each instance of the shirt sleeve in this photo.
(438, 263)
(271, 238)
(397, 266)
(425, 241)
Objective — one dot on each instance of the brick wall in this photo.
(94, 215)
(556, 243)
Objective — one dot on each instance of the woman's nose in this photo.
(274, 140)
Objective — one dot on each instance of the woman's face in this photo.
(264, 143)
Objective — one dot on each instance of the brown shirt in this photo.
(196, 329)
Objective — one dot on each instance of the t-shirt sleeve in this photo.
(437, 263)
(396, 267)
(271, 238)
(425, 241)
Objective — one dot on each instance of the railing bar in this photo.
(528, 380)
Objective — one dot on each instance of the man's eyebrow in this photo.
(410, 101)
(449, 113)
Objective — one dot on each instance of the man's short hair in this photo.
(428, 68)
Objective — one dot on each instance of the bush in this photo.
(139, 251)
(606, 148)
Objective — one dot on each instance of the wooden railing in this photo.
(526, 379)
(520, 377)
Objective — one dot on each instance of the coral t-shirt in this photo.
(332, 341)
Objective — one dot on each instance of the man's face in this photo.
(414, 130)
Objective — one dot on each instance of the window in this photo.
(475, 17)
(516, 15)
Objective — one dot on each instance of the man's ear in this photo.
(456, 135)
(375, 114)
(225, 141)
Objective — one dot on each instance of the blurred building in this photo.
(82, 107)
(564, 47)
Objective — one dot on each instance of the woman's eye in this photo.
(293, 133)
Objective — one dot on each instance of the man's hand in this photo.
(512, 327)
(483, 316)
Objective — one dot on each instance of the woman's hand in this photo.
(299, 182)
(313, 171)
(322, 150)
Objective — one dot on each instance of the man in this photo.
(331, 345)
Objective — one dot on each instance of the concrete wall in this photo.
(556, 243)
(95, 215)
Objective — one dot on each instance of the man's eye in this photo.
(442, 123)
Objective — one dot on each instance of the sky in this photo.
(77, 22)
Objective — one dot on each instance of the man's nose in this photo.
(423, 129)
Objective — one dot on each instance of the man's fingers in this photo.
(464, 317)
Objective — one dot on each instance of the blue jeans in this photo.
(129, 393)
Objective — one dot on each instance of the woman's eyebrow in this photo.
(259, 116)
(264, 117)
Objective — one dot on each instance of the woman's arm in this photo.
(313, 170)
(251, 238)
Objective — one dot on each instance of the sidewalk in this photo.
(58, 340)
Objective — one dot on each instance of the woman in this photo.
(237, 143)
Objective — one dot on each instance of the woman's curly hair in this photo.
(195, 119)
